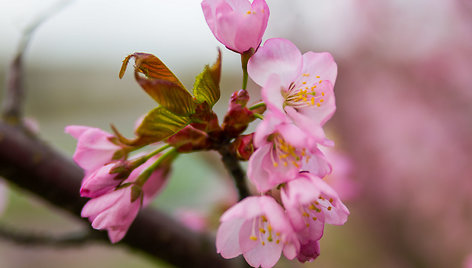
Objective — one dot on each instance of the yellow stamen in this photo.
(253, 238)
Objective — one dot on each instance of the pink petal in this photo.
(317, 164)
(247, 208)
(76, 131)
(256, 172)
(115, 235)
(275, 214)
(227, 238)
(264, 256)
(309, 125)
(321, 114)
(277, 56)
(251, 27)
(320, 64)
(272, 93)
(96, 205)
(99, 182)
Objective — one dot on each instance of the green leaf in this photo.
(159, 124)
(207, 84)
(168, 94)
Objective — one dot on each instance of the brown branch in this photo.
(231, 163)
(32, 165)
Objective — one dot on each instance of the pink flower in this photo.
(99, 182)
(113, 210)
(283, 150)
(257, 228)
(94, 147)
(3, 196)
(300, 85)
(310, 203)
(237, 24)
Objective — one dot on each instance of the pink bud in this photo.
(94, 148)
(237, 24)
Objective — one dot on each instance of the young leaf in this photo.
(207, 84)
(151, 66)
(160, 83)
(159, 124)
(168, 94)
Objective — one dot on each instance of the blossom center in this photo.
(263, 231)
(308, 90)
(311, 211)
(286, 154)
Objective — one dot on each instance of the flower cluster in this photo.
(286, 165)
(117, 187)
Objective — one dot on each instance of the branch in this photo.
(32, 165)
(231, 163)
(14, 94)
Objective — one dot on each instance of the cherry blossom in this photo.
(94, 147)
(300, 85)
(257, 228)
(310, 203)
(237, 24)
(283, 150)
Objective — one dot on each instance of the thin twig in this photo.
(14, 93)
(36, 239)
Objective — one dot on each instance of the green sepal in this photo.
(207, 84)
(136, 192)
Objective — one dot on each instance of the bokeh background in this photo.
(403, 127)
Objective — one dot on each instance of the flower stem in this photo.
(244, 60)
(148, 171)
(257, 105)
(163, 148)
(259, 116)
